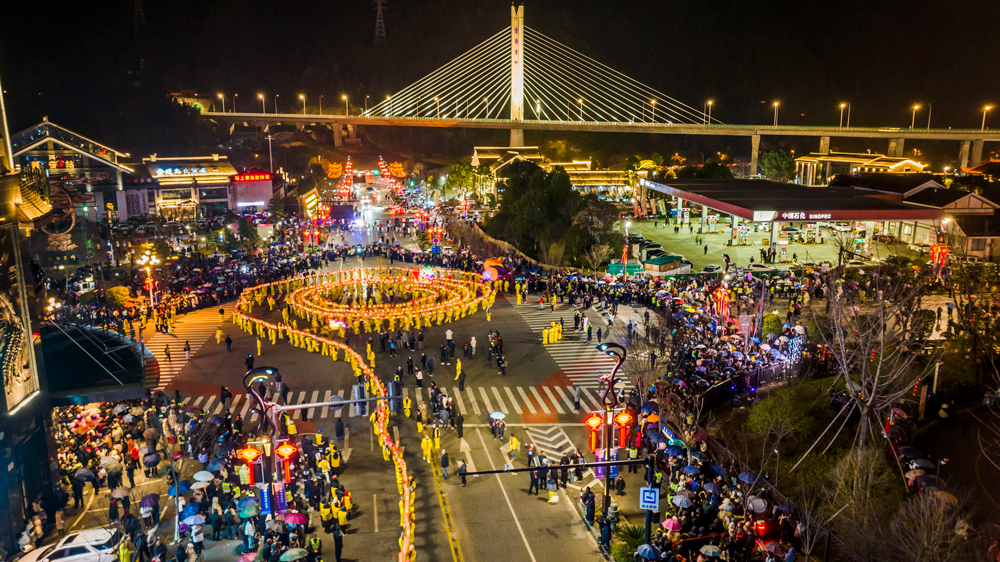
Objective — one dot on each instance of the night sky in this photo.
(881, 56)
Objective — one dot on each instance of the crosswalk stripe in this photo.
(527, 402)
(461, 403)
(541, 402)
(555, 401)
(486, 400)
(569, 401)
(500, 402)
(595, 404)
(234, 403)
(338, 413)
(246, 408)
(325, 410)
(472, 399)
(513, 401)
(198, 401)
(301, 400)
(418, 394)
(315, 398)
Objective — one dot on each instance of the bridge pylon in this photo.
(516, 72)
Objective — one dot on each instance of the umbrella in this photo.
(128, 418)
(699, 455)
(713, 488)
(710, 550)
(248, 557)
(177, 455)
(201, 485)
(84, 474)
(276, 526)
(147, 450)
(151, 434)
(189, 510)
(686, 493)
(121, 492)
(911, 452)
(204, 476)
(151, 460)
(195, 520)
(945, 496)
(247, 502)
(648, 551)
(929, 481)
(115, 468)
(774, 548)
(149, 500)
(653, 418)
(184, 486)
(914, 473)
(747, 477)
(292, 553)
(757, 505)
(681, 501)
(250, 511)
(119, 409)
(671, 524)
(719, 470)
(498, 415)
(107, 461)
(137, 411)
(788, 325)
(217, 464)
(296, 519)
(923, 463)
(678, 443)
(192, 408)
(699, 437)
(691, 470)
(674, 451)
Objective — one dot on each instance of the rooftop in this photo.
(936, 197)
(979, 226)
(892, 183)
(765, 200)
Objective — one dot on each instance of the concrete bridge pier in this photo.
(754, 149)
(977, 152)
(824, 145)
(963, 155)
(516, 137)
(896, 148)
(338, 139)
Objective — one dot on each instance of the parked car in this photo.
(91, 545)
(759, 267)
(712, 268)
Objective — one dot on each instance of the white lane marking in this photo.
(527, 402)
(486, 400)
(541, 401)
(458, 398)
(315, 398)
(510, 506)
(555, 401)
(472, 398)
(503, 407)
(510, 395)
(326, 409)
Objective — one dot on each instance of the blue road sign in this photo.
(649, 498)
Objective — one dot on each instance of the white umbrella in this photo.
(199, 485)
(204, 476)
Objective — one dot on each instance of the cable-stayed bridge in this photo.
(520, 79)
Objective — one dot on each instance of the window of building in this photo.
(978, 245)
(907, 229)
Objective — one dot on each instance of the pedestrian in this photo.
(534, 482)
(166, 351)
(576, 397)
(459, 420)
(249, 362)
(444, 464)
(229, 343)
(462, 470)
(706, 250)
(461, 381)
(599, 335)
(338, 541)
(472, 344)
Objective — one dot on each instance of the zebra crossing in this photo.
(474, 400)
(577, 358)
(195, 327)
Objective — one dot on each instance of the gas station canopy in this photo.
(769, 201)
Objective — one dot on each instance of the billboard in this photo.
(17, 357)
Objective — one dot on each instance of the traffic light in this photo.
(395, 390)
(594, 422)
(358, 393)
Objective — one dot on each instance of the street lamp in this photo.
(366, 105)
(486, 106)
(652, 103)
(842, 106)
(389, 98)
(930, 109)
(985, 109)
(303, 98)
(776, 113)
(913, 120)
(146, 261)
(234, 102)
(580, 101)
(347, 111)
(223, 98)
(538, 109)
(709, 122)
(261, 98)
(276, 103)
(321, 105)
(438, 105)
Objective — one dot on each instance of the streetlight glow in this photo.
(303, 98)
(985, 109)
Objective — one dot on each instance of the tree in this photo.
(597, 255)
(248, 233)
(230, 217)
(927, 529)
(777, 165)
(554, 253)
(276, 209)
(117, 297)
(713, 170)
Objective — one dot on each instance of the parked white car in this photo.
(90, 545)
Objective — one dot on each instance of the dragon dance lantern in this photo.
(492, 270)
(721, 299)
(426, 275)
